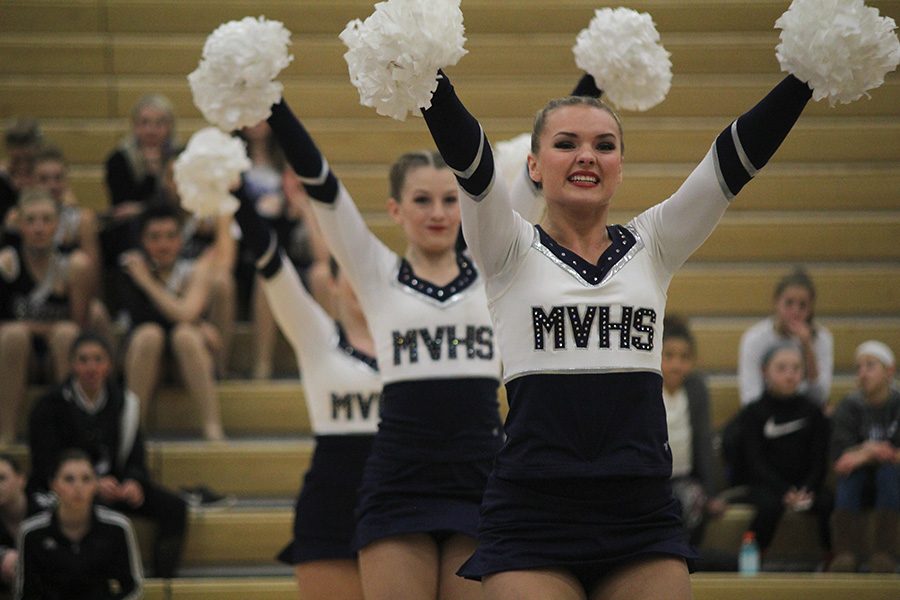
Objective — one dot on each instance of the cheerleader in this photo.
(579, 503)
(440, 427)
(342, 386)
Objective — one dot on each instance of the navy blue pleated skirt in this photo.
(588, 527)
(399, 496)
(324, 519)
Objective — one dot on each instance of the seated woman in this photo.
(78, 550)
(44, 299)
(792, 320)
(166, 297)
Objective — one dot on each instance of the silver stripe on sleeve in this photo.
(263, 260)
(474, 166)
(323, 175)
(742, 156)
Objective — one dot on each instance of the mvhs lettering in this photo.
(343, 406)
(478, 343)
(634, 327)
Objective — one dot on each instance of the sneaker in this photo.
(203, 497)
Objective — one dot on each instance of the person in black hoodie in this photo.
(90, 412)
(784, 443)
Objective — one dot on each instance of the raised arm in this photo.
(303, 322)
(491, 228)
(684, 221)
(359, 252)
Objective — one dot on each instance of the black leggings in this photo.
(168, 512)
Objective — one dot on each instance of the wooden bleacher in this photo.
(830, 200)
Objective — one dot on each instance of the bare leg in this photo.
(62, 334)
(535, 584)
(222, 310)
(196, 365)
(454, 552)
(655, 578)
(263, 333)
(329, 580)
(15, 350)
(403, 567)
(143, 359)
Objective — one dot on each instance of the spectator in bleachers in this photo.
(783, 443)
(22, 139)
(14, 508)
(865, 449)
(77, 224)
(133, 179)
(134, 170)
(213, 239)
(794, 306)
(77, 229)
(78, 551)
(690, 435)
(91, 412)
(44, 300)
(166, 298)
(268, 184)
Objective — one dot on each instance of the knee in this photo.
(186, 337)
(63, 334)
(147, 341)
(15, 339)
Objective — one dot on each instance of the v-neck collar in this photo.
(623, 242)
(442, 294)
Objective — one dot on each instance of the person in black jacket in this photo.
(15, 507)
(77, 551)
(784, 445)
(89, 411)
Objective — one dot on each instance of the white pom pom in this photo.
(512, 157)
(233, 85)
(620, 48)
(393, 56)
(210, 165)
(840, 48)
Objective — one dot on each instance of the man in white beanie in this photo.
(865, 448)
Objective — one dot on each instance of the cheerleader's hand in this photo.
(234, 86)
(840, 48)
(209, 167)
(394, 54)
(620, 48)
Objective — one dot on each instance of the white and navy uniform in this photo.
(22, 297)
(105, 564)
(440, 425)
(343, 394)
(582, 481)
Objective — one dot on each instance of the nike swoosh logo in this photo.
(776, 430)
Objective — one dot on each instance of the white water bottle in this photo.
(748, 558)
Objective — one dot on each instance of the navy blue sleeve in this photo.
(257, 236)
(302, 154)
(749, 142)
(460, 139)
